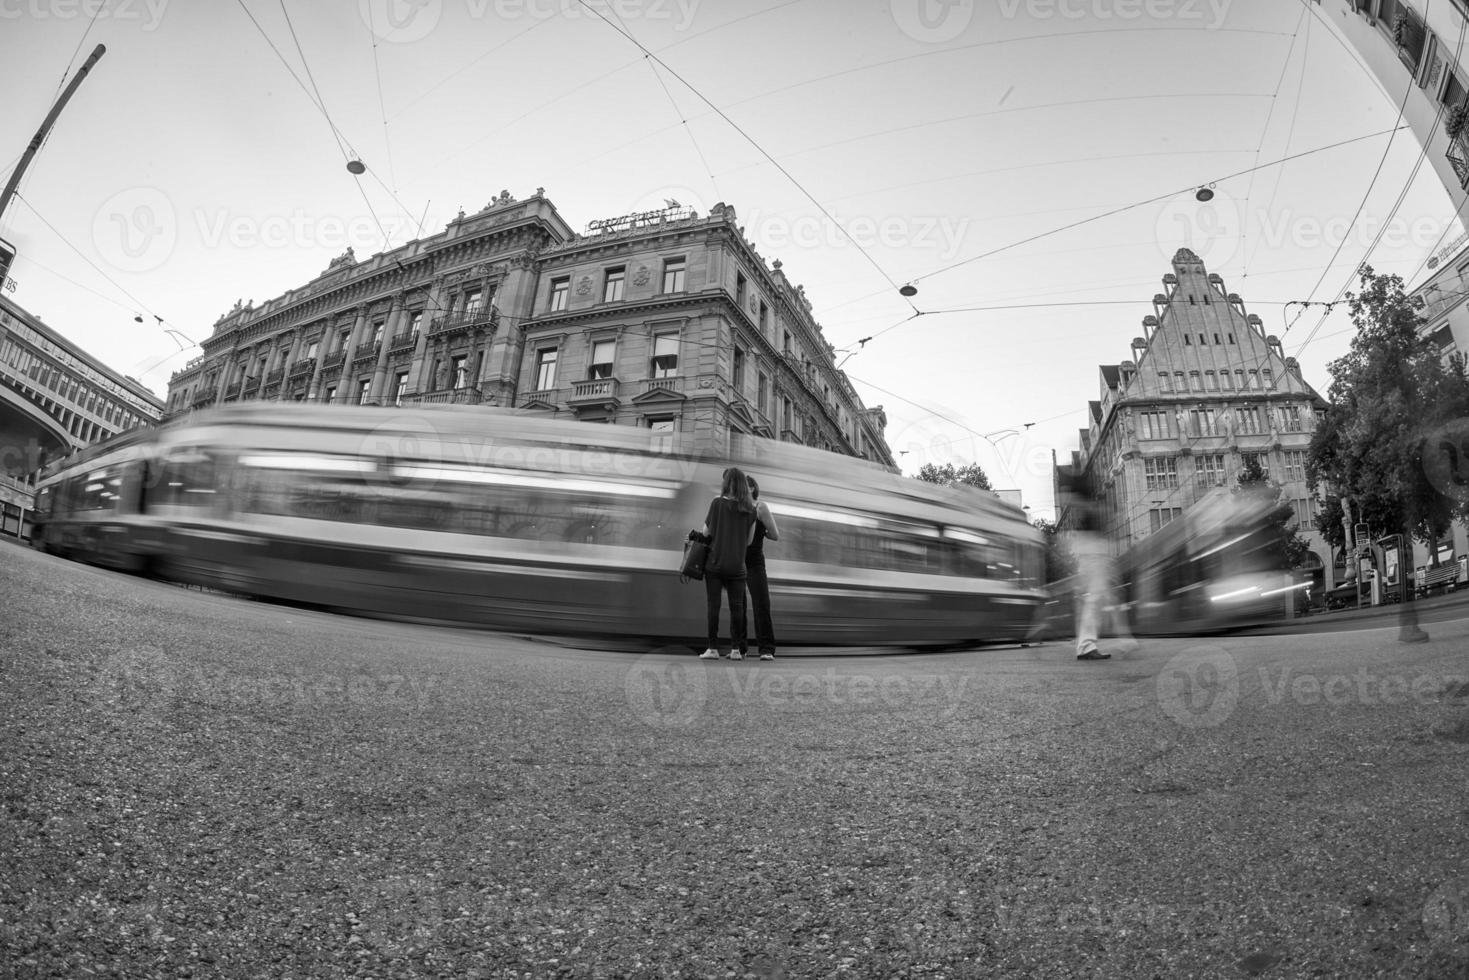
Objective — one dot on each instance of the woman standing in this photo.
(729, 528)
(755, 568)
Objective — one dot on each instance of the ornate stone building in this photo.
(664, 319)
(1205, 389)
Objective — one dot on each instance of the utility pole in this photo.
(40, 136)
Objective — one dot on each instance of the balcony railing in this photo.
(465, 320)
(597, 391)
(660, 384)
(452, 396)
(334, 358)
(275, 376)
(366, 351)
(403, 341)
(233, 391)
(303, 367)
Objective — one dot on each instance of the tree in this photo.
(1328, 521)
(1291, 549)
(1389, 392)
(1060, 563)
(970, 475)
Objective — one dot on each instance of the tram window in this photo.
(186, 479)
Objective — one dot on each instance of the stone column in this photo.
(515, 300)
(421, 362)
(380, 370)
(347, 384)
(313, 390)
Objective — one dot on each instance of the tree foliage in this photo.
(1328, 521)
(1389, 392)
(1291, 550)
(969, 475)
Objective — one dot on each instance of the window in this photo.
(459, 367)
(311, 350)
(1295, 466)
(612, 285)
(1154, 425)
(1304, 511)
(1249, 420)
(377, 332)
(1161, 472)
(1211, 470)
(1239, 378)
(1178, 382)
(1211, 381)
(546, 369)
(1164, 381)
(1268, 378)
(363, 390)
(343, 338)
(737, 371)
(1290, 417)
(785, 412)
(1188, 340)
(665, 355)
(1216, 338)
(1202, 341)
(414, 323)
(602, 356)
(764, 319)
(331, 393)
(673, 275)
(473, 302)
(762, 394)
(663, 429)
(400, 387)
(1260, 458)
(1159, 516)
(1203, 421)
(1195, 382)
(740, 290)
(560, 291)
(787, 345)
(1231, 338)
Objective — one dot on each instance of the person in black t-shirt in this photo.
(729, 528)
(759, 585)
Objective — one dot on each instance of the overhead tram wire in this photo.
(1402, 195)
(1289, 135)
(760, 149)
(1265, 130)
(382, 108)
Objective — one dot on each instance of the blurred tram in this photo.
(491, 518)
(1217, 566)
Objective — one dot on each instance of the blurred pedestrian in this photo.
(759, 585)
(1084, 537)
(729, 528)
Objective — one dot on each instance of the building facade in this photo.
(1205, 390)
(55, 398)
(665, 320)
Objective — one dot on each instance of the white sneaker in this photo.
(709, 654)
(736, 655)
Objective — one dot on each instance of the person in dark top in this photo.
(759, 585)
(729, 529)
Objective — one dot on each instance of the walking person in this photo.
(729, 529)
(759, 585)
(1088, 545)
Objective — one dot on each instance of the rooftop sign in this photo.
(640, 219)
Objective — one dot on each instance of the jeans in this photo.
(760, 602)
(735, 588)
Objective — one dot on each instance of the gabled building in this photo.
(1205, 389)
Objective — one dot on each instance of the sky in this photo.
(1029, 165)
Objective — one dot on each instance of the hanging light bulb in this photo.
(356, 167)
(908, 289)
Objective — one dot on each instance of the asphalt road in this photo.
(198, 785)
